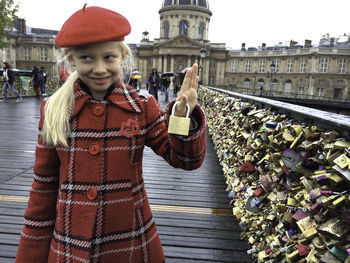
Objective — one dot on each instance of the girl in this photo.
(9, 80)
(88, 202)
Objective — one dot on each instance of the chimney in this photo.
(263, 47)
(292, 43)
(331, 42)
(22, 26)
(243, 47)
(307, 43)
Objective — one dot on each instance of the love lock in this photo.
(179, 125)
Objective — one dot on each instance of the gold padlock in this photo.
(179, 125)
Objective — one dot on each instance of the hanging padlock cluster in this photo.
(288, 181)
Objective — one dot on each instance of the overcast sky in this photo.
(233, 21)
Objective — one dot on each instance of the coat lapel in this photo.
(121, 96)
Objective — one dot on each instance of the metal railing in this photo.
(279, 94)
(324, 119)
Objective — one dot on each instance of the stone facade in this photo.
(313, 72)
(305, 71)
(31, 47)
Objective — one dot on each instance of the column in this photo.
(165, 62)
(172, 61)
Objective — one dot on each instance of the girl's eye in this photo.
(109, 57)
(85, 58)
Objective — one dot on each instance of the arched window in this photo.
(288, 86)
(166, 29)
(246, 84)
(274, 86)
(201, 31)
(261, 83)
(183, 28)
(339, 90)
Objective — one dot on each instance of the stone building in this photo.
(31, 47)
(313, 72)
(320, 71)
(183, 40)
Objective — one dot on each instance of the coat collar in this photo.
(122, 96)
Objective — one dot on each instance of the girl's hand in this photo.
(188, 93)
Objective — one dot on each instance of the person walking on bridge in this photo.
(9, 80)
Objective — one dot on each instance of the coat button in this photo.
(98, 110)
(92, 193)
(94, 148)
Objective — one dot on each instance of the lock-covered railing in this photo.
(287, 174)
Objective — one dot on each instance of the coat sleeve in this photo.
(186, 152)
(39, 218)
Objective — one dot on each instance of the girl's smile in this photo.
(98, 65)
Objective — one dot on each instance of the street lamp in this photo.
(203, 52)
(270, 74)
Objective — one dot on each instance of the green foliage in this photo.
(8, 10)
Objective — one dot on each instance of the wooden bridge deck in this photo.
(191, 209)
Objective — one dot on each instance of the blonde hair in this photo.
(60, 105)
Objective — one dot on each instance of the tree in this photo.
(8, 12)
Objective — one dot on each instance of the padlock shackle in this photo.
(187, 106)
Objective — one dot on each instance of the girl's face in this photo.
(98, 65)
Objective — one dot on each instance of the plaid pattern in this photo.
(89, 205)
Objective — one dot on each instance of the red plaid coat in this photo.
(88, 202)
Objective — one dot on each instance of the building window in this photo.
(274, 86)
(43, 54)
(301, 83)
(211, 80)
(202, 3)
(342, 65)
(27, 53)
(166, 29)
(262, 65)
(288, 86)
(324, 65)
(184, 2)
(201, 31)
(167, 2)
(183, 30)
(8, 54)
(338, 94)
(234, 64)
(261, 84)
(319, 92)
(303, 65)
(248, 66)
(277, 64)
(290, 65)
(246, 84)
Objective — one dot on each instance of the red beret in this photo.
(92, 25)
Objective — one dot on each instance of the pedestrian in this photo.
(9, 81)
(38, 80)
(154, 82)
(176, 84)
(43, 84)
(166, 84)
(88, 202)
(147, 85)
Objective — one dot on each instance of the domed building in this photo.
(183, 40)
(317, 72)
